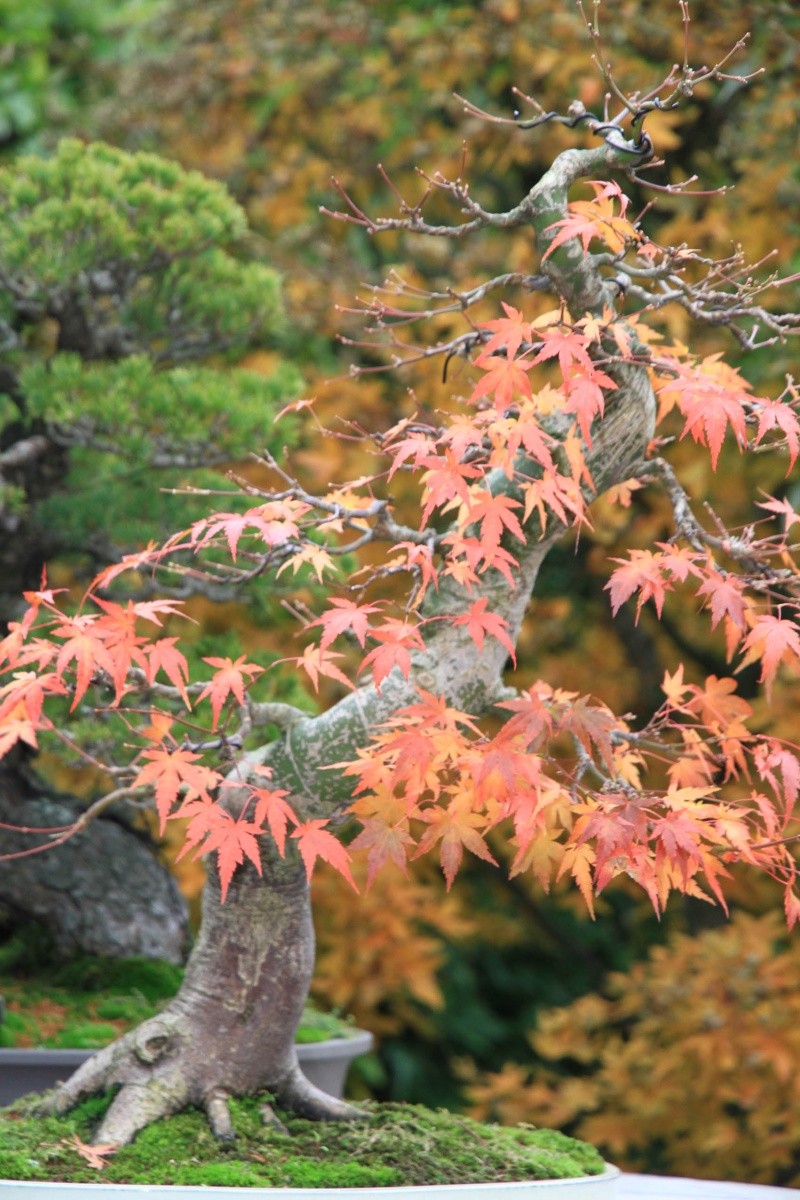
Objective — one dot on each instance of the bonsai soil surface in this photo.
(395, 1145)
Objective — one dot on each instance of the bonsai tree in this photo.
(572, 392)
(124, 307)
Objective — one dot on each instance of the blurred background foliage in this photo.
(669, 1045)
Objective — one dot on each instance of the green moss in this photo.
(395, 1144)
(87, 1002)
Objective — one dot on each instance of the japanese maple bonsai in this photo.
(562, 405)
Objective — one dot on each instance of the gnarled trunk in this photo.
(231, 1028)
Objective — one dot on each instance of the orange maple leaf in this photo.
(170, 771)
(315, 841)
(95, 1156)
(228, 680)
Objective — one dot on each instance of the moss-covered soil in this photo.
(395, 1144)
(87, 1002)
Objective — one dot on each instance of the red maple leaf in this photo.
(776, 414)
(479, 622)
(456, 827)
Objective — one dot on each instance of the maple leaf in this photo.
(579, 862)
(94, 1155)
(596, 218)
(164, 655)
(229, 679)
(622, 493)
(769, 755)
(781, 508)
(776, 414)
(592, 725)
(494, 514)
(168, 772)
(558, 493)
(479, 622)
(311, 555)
(710, 395)
(540, 856)
(344, 616)
(445, 480)
(791, 906)
(568, 346)
(585, 397)
(510, 332)
(397, 639)
(717, 704)
(642, 573)
(85, 648)
(420, 558)
(271, 807)
(417, 446)
(456, 827)
(275, 521)
(772, 640)
(384, 843)
(314, 841)
(315, 662)
(504, 378)
(233, 840)
(16, 726)
(727, 598)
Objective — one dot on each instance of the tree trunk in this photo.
(231, 1028)
(102, 892)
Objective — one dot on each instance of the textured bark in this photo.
(102, 892)
(229, 1029)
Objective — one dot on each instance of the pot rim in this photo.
(19, 1056)
(37, 1189)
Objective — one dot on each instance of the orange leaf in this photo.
(314, 841)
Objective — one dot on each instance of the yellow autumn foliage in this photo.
(686, 1065)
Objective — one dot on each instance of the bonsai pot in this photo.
(586, 1187)
(324, 1064)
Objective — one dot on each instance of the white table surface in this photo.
(663, 1187)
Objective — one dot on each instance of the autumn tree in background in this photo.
(684, 1065)
(569, 389)
(125, 306)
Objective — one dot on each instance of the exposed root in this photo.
(219, 1116)
(138, 1105)
(270, 1118)
(299, 1096)
(91, 1077)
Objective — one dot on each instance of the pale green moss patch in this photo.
(395, 1144)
